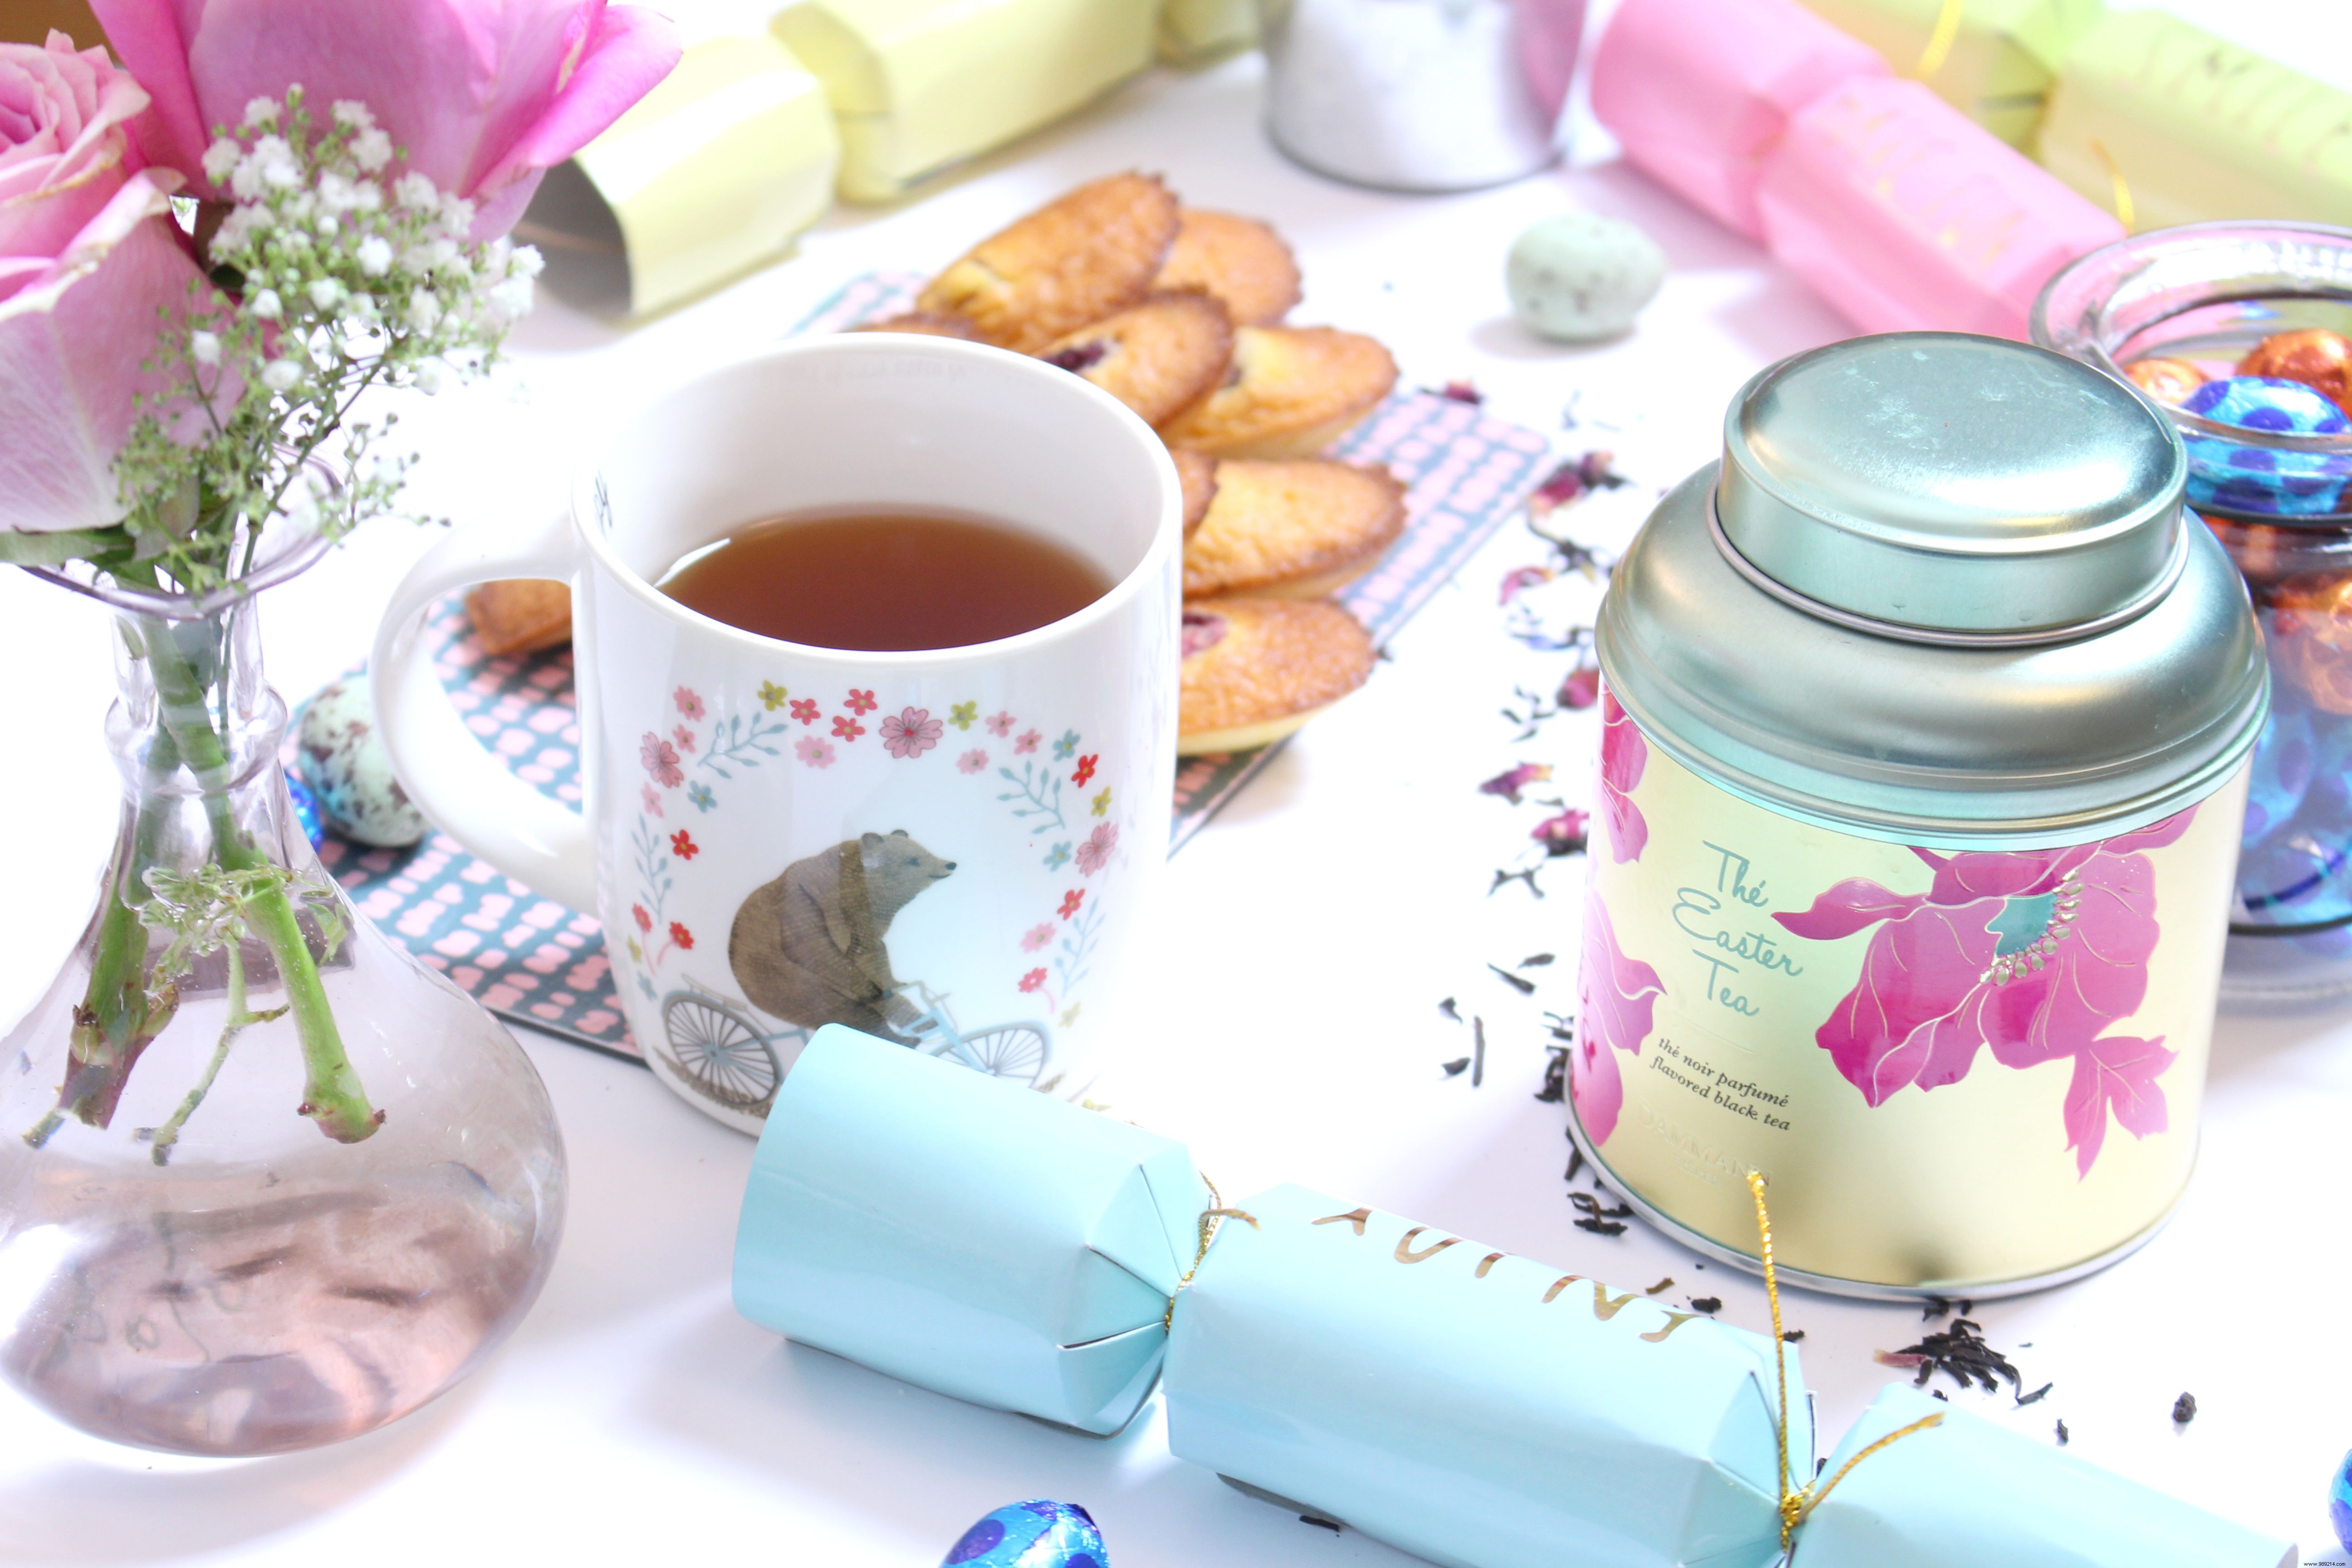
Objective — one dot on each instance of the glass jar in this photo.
(2281, 503)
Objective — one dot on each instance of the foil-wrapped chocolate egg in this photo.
(2315, 356)
(344, 762)
(2281, 774)
(2237, 477)
(2339, 1503)
(2166, 380)
(1037, 1535)
(306, 809)
(2310, 632)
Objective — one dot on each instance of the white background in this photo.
(1286, 1021)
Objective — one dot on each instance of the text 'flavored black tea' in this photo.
(886, 581)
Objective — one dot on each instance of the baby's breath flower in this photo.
(280, 374)
(374, 255)
(266, 304)
(528, 261)
(205, 348)
(220, 160)
(456, 214)
(351, 112)
(416, 190)
(262, 111)
(325, 294)
(423, 309)
(372, 150)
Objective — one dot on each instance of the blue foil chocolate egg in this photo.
(1037, 1534)
(306, 809)
(2230, 477)
(2296, 879)
(2339, 1503)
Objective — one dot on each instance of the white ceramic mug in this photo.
(949, 848)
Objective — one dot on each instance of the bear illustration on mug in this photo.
(809, 947)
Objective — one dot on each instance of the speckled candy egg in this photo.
(2310, 633)
(344, 763)
(1039, 1534)
(1581, 275)
(2236, 477)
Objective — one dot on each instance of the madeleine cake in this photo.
(1292, 391)
(1291, 528)
(521, 615)
(1159, 358)
(1238, 260)
(1257, 669)
(1196, 472)
(1072, 261)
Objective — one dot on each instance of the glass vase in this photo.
(2281, 503)
(266, 1181)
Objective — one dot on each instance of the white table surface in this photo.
(1288, 1028)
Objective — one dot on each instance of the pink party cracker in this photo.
(1907, 214)
(1699, 91)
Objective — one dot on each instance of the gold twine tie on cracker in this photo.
(1212, 1219)
(1940, 41)
(1797, 1503)
(2124, 211)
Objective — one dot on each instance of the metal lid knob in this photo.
(1943, 487)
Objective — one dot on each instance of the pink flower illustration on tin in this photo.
(660, 759)
(1025, 742)
(1617, 994)
(816, 754)
(999, 724)
(846, 728)
(861, 702)
(652, 799)
(1623, 756)
(1095, 852)
(805, 709)
(2029, 954)
(1035, 937)
(689, 702)
(911, 732)
(1032, 980)
(683, 736)
(972, 761)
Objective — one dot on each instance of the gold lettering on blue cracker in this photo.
(1487, 1262)
(1562, 1283)
(1405, 1253)
(1356, 1217)
(1674, 1320)
(1603, 1307)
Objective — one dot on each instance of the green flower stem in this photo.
(118, 1018)
(332, 1093)
(232, 1024)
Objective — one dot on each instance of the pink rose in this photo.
(481, 96)
(88, 258)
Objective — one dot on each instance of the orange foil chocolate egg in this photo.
(2311, 639)
(2315, 356)
(2166, 380)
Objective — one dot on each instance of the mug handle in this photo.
(452, 779)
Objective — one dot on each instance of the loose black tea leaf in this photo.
(1534, 961)
(1666, 1284)
(1477, 1052)
(1941, 1395)
(1555, 1078)
(1961, 1352)
(1526, 874)
(2184, 1410)
(1592, 1205)
(2035, 1397)
(1526, 987)
(1456, 1068)
(1332, 1525)
(1575, 1163)
(1447, 1007)
(2062, 1433)
(1565, 833)
(1710, 1305)
(1601, 1227)
(1794, 1335)
(1561, 1028)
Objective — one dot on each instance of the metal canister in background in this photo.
(1924, 762)
(2277, 492)
(1419, 95)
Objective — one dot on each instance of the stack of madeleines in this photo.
(1177, 313)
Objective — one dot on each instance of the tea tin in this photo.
(1922, 773)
